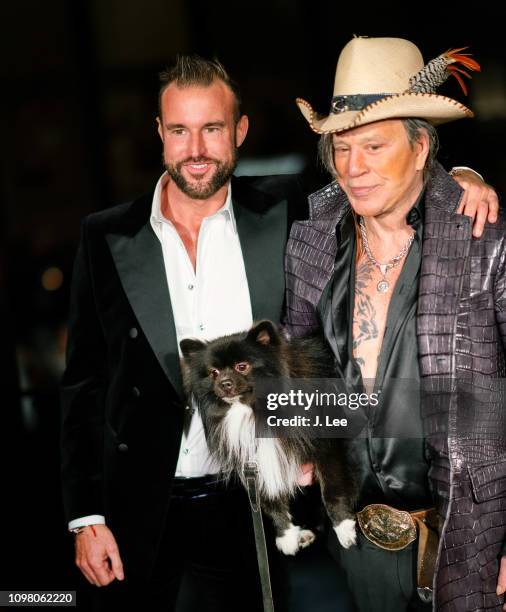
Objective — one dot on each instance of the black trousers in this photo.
(209, 541)
(380, 580)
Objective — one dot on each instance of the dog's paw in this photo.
(289, 542)
(306, 537)
(346, 533)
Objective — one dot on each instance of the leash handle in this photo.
(250, 471)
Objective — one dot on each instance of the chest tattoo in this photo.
(365, 323)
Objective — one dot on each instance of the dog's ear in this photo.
(264, 333)
(190, 346)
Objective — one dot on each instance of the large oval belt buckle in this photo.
(387, 527)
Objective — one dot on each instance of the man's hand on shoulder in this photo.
(480, 201)
(97, 555)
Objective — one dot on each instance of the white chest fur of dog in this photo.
(277, 471)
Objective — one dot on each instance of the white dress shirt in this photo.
(208, 302)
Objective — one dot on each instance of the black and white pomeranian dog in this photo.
(220, 375)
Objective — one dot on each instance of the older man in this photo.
(388, 267)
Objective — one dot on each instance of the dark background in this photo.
(79, 82)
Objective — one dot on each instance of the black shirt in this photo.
(390, 454)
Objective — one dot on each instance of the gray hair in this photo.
(413, 128)
(195, 70)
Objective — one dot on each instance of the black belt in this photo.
(201, 487)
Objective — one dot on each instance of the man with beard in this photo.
(200, 257)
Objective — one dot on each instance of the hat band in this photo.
(356, 102)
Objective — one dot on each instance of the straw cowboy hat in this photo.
(384, 78)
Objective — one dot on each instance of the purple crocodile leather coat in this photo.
(461, 330)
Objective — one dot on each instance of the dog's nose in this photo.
(226, 384)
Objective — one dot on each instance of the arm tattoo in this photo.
(365, 313)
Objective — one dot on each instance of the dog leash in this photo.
(250, 472)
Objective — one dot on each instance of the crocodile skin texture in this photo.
(310, 256)
(470, 551)
(461, 331)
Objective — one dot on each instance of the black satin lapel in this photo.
(139, 261)
(334, 302)
(263, 238)
(324, 309)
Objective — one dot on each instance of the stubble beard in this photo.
(205, 188)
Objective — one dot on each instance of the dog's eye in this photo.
(243, 367)
(214, 373)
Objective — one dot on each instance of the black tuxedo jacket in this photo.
(122, 397)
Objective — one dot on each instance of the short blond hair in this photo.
(191, 70)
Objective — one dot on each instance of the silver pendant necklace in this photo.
(383, 285)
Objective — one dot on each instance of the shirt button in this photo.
(201, 327)
(133, 333)
(186, 451)
(191, 287)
